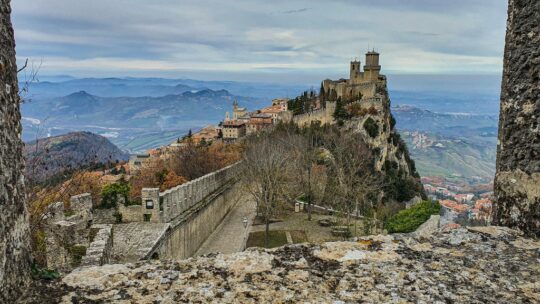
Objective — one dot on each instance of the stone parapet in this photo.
(475, 265)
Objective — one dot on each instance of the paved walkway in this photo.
(231, 235)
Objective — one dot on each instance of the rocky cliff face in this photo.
(517, 181)
(478, 265)
(391, 153)
(14, 230)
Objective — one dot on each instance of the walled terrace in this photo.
(171, 224)
(473, 265)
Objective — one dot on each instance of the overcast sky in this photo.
(258, 40)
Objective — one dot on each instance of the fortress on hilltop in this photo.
(364, 88)
(361, 84)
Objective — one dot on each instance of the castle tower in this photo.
(355, 69)
(372, 67)
(235, 105)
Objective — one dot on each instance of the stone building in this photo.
(136, 162)
(259, 121)
(361, 84)
(238, 112)
(233, 129)
(517, 181)
(14, 228)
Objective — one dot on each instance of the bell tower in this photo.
(355, 69)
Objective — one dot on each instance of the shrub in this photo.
(408, 220)
(77, 253)
(371, 127)
(109, 194)
(43, 273)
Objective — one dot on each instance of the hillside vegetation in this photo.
(50, 156)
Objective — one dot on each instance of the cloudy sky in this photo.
(258, 39)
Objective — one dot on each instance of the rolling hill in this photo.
(49, 156)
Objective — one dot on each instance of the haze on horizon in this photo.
(280, 41)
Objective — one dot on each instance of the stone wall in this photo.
(187, 236)
(324, 115)
(100, 250)
(170, 204)
(517, 181)
(67, 232)
(14, 228)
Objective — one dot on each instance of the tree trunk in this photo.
(309, 194)
(266, 231)
(14, 224)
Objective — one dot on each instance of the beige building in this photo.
(233, 129)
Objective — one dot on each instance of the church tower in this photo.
(372, 67)
(355, 69)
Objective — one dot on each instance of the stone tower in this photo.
(517, 181)
(14, 227)
(372, 67)
(355, 70)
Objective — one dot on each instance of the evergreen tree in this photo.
(340, 113)
(321, 92)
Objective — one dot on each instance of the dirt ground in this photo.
(314, 232)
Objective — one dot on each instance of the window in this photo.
(147, 217)
(149, 204)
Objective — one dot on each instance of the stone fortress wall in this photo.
(191, 211)
(171, 224)
(166, 206)
(323, 115)
(188, 233)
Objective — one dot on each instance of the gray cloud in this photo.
(294, 11)
(164, 37)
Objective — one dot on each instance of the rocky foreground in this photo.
(474, 265)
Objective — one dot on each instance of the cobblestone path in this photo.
(231, 235)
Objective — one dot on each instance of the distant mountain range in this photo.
(159, 113)
(127, 120)
(137, 113)
(46, 157)
(138, 87)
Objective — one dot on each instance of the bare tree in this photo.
(268, 174)
(352, 174)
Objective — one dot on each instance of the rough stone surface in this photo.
(518, 155)
(100, 250)
(476, 265)
(14, 229)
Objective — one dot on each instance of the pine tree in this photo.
(321, 92)
(340, 113)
